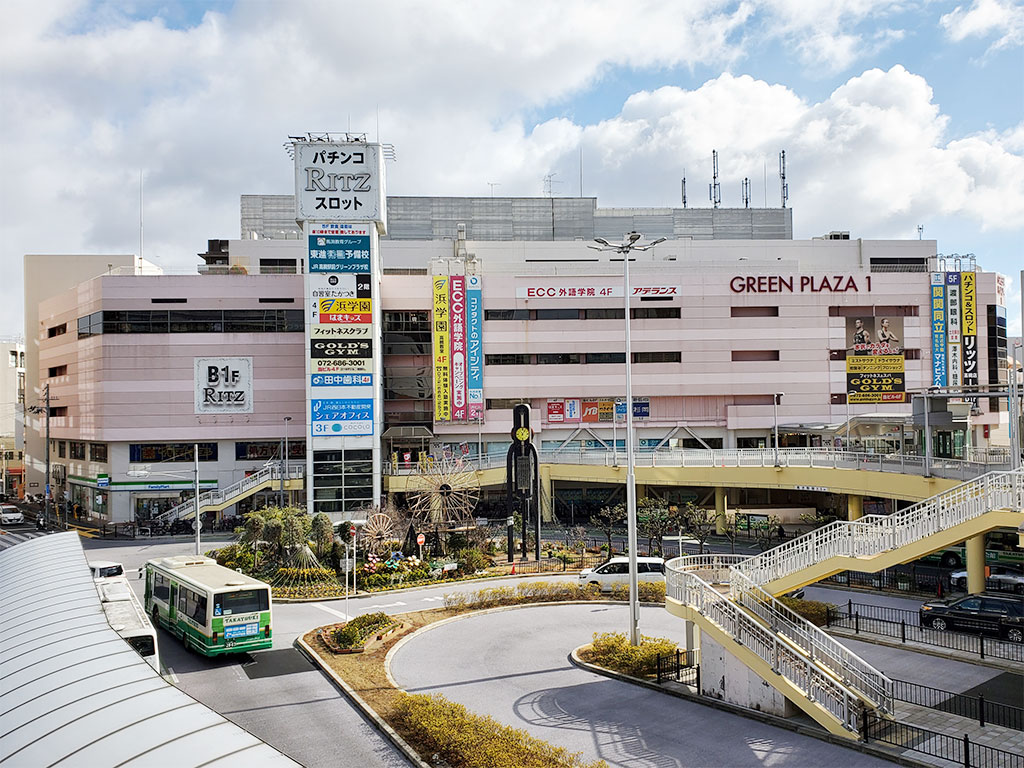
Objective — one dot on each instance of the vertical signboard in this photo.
(441, 327)
(556, 411)
(572, 410)
(474, 346)
(874, 360)
(969, 330)
(938, 320)
(457, 314)
(954, 359)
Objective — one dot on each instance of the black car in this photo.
(996, 614)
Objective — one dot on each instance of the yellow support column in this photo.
(547, 500)
(854, 506)
(976, 564)
(720, 510)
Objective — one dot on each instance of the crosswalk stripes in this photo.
(10, 538)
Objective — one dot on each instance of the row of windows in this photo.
(601, 313)
(575, 358)
(77, 450)
(342, 481)
(192, 321)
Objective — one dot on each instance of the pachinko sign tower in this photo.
(340, 204)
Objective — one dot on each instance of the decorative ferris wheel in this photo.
(445, 495)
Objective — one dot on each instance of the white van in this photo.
(105, 569)
(616, 571)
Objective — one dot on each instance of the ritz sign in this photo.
(339, 181)
(223, 384)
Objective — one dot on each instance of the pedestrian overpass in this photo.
(732, 598)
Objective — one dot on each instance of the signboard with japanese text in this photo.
(340, 181)
(954, 358)
(875, 367)
(340, 349)
(969, 331)
(474, 346)
(223, 384)
(359, 330)
(457, 313)
(341, 380)
(340, 285)
(606, 410)
(441, 329)
(340, 365)
(342, 417)
(590, 411)
(556, 411)
(938, 323)
(338, 248)
(573, 410)
(546, 290)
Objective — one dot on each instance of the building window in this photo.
(557, 314)
(912, 354)
(58, 411)
(604, 314)
(98, 452)
(414, 320)
(13, 363)
(278, 267)
(90, 325)
(264, 450)
(57, 330)
(605, 358)
(558, 359)
(657, 357)
(506, 314)
(654, 313)
(754, 311)
(506, 359)
(504, 403)
(754, 355)
(62, 449)
(77, 450)
(288, 300)
(412, 383)
(150, 453)
(57, 370)
(168, 301)
(192, 321)
(342, 481)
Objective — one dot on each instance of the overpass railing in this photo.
(824, 458)
(216, 498)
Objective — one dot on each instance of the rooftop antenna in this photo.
(549, 182)
(684, 187)
(745, 187)
(581, 169)
(141, 231)
(492, 185)
(783, 186)
(714, 188)
(920, 231)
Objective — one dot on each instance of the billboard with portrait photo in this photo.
(867, 335)
(874, 359)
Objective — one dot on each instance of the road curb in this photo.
(1004, 665)
(369, 712)
(752, 714)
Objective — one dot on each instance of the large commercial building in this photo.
(737, 329)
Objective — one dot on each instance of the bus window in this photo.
(244, 601)
(161, 587)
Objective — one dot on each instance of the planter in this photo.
(326, 636)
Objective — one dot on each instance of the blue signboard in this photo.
(341, 417)
(341, 379)
(339, 253)
(641, 409)
(938, 320)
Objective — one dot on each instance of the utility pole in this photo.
(37, 409)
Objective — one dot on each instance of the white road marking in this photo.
(170, 674)
(433, 599)
(391, 605)
(331, 611)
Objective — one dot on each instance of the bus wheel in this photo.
(184, 640)
(950, 560)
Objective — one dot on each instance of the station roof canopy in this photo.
(73, 692)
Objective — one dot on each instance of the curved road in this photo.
(512, 665)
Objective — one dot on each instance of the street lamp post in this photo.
(776, 399)
(848, 396)
(284, 463)
(45, 409)
(197, 522)
(629, 243)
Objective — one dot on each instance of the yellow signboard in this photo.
(441, 326)
(968, 304)
(339, 306)
(875, 379)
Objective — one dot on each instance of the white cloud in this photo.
(1002, 19)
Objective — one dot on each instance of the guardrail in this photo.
(874, 534)
(959, 750)
(972, 707)
(803, 654)
(824, 458)
(218, 497)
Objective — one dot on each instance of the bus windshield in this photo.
(244, 601)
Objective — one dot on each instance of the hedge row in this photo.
(465, 740)
(548, 592)
(613, 651)
(353, 633)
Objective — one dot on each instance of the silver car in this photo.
(10, 515)
(1005, 578)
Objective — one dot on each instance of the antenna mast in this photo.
(714, 188)
(684, 187)
(549, 182)
(745, 188)
(783, 186)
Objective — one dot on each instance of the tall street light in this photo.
(848, 396)
(284, 463)
(776, 399)
(629, 243)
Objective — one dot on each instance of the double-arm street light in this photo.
(776, 399)
(284, 463)
(631, 242)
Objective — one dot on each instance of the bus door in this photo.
(172, 609)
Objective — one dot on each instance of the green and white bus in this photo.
(213, 609)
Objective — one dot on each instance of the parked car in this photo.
(1005, 578)
(105, 569)
(10, 515)
(996, 614)
(616, 571)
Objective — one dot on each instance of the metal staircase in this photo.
(267, 477)
(731, 597)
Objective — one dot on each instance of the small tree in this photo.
(655, 520)
(607, 519)
(732, 529)
(700, 522)
(767, 533)
(322, 533)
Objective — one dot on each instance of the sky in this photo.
(892, 115)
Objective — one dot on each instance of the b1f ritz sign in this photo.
(223, 384)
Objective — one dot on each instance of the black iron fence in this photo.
(680, 667)
(905, 626)
(959, 750)
(972, 707)
(910, 579)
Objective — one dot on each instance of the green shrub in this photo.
(306, 574)
(613, 651)
(234, 556)
(467, 740)
(470, 560)
(352, 634)
(814, 611)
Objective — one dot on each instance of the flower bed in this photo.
(352, 636)
(613, 651)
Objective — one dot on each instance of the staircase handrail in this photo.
(215, 497)
(873, 534)
(818, 682)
